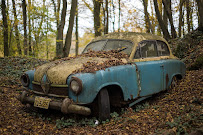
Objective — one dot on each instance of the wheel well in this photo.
(115, 95)
(178, 76)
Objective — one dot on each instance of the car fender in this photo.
(123, 76)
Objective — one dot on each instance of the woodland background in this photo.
(57, 28)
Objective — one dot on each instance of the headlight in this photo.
(24, 79)
(76, 85)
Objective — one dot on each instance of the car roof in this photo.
(135, 37)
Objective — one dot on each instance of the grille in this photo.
(62, 91)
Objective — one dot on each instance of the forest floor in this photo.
(178, 110)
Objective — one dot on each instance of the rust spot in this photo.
(167, 80)
(131, 96)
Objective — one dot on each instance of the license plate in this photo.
(42, 102)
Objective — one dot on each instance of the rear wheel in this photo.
(104, 105)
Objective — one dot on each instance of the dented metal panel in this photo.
(151, 77)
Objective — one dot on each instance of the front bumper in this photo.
(65, 106)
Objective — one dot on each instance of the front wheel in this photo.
(104, 105)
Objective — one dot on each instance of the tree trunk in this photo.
(191, 17)
(24, 25)
(161, 23)
(147, 21)
(160, 10)
(59, 38)
(47, 26)
(183, 31)
(113, 10)
(97, 19)
(68, 39)
(106, 22)
(56, 11)
(106, 16)
(188, 14)
(16, 28)
(119, 17)
(167, 5)
(29, 27)
(5, 28)
(37, 33)
(76, 32)
(165, 18)
(10, 38)
(180, 18)
(200, 11)
(153, 19)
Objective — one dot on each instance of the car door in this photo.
(150, 69)
(163, 50)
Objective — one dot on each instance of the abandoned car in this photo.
(141, 65)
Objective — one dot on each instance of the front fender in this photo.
(30, 74)
(124, 76)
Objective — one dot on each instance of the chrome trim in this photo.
(52, 85)
(51, 95)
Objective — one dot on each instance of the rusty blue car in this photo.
(148, 68)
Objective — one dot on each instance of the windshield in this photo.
(106, 45)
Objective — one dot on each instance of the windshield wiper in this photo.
(121, 49)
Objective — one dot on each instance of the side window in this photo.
(146, 49)
(162, 49)
(137, 53)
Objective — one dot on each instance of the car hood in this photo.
(58, 71)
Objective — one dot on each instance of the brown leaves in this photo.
(105, 54)
(91, 67)
(114, 60)
(114, 56)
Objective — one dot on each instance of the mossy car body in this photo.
(149, 69)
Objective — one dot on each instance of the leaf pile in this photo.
(101, 54)
(194, 58)
(91, 67)
(189, 49)
(105, 54)
(115, 58)
(180, 46)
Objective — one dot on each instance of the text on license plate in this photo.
(42, 102)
